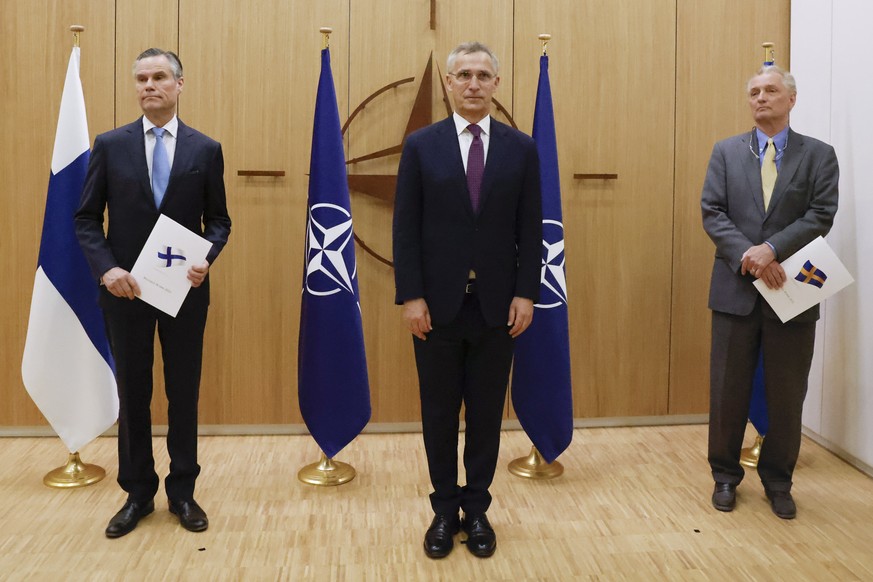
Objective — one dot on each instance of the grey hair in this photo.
(468, 48)
(787, 78)
(175, 63)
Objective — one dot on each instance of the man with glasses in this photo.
(467, 240)
(767, 194)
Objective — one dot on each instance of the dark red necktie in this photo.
(475, 166)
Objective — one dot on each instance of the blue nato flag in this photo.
(333, 390)
(541, 388)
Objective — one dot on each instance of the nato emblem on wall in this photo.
(380, 187)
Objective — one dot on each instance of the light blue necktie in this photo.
(160, 166)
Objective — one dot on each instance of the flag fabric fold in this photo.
(758, 403)
(67, 367)
(333, 389)
(541, 388)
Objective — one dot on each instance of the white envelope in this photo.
(161, 270)
(814, 274)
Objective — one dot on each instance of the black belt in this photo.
(471, 286)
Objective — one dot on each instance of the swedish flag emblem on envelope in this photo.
(812, 275)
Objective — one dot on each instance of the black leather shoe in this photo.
(438, 540)
(724, 496)
(782, 504)
(124, 522)
(191, 516)
(481, 540)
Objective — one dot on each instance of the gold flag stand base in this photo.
(534, 466)
(750, 455)
(326, 472)
(74, 474)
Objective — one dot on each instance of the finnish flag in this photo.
(67, 367)
(170, 256)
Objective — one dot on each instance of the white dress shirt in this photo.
(465, 138)
(171, 130)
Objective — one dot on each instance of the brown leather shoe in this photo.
(481, 540)
(191, 516)
(724, 496)
(782, 504)
(124, 522)
(438, 542)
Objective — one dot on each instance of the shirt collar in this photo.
(172, 126)
(461, 124)
(780, 140)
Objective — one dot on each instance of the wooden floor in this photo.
(633, 504)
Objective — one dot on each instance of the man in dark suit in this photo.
(767, 194)
(467, 258)
(140, 171)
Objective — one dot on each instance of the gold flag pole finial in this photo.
(325, 31)
(545, 38)
(769, 53)
(76, 29)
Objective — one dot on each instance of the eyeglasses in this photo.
(466, 76)
(779, 153)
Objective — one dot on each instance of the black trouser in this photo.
(131, 329)
(465, 361)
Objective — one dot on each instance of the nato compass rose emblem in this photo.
(330, 256)
(381, 186)
(553, 282)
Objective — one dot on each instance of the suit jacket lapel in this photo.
(181, 157)
(794, 154)
(136, 145)
(449, 143)
(496, 148)
(752, 167)
(447, 136)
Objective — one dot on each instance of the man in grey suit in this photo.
(767, 193)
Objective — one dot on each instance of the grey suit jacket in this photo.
(802, 207)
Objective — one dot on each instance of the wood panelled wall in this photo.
(641, 89)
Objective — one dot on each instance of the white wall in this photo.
(831, 50)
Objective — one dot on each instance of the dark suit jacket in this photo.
(118, 178)
(438, 238)
(802, 207)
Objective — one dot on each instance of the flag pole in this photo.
(545, 38)
(769, 53)
(326, 472)
(749, 455)
(74, 473)
(534, 466)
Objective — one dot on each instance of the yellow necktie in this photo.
(768, 172)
